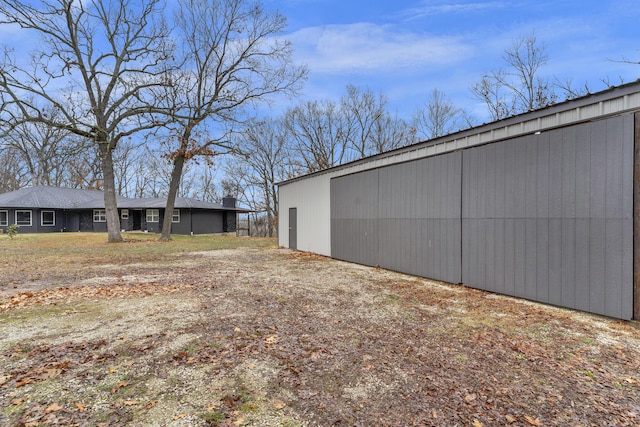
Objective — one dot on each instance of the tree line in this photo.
(124, 97)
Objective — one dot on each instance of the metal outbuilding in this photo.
(544, 206)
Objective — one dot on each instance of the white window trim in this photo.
(6, 221)
(176, 214)
(42, 224)
(30, 218)
(99, 215)
(124, 214)
(153, 215)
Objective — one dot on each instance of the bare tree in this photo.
(391, 132)
(519, 87)
(438, 117)
(125, 160)
(233, 60)
(13, 173)
(570, 90)
(262, 166)
(363, 111)
(46, 152)
(85, 170)
(320, 134)
(204, 184)
(95, 66)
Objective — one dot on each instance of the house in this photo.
(539, 206)
(42, 209)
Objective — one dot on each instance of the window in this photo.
(153, 215)
(176, 215)
(124, 214)
(47, 218)
(23, 218)
(4, 218)
(99, 215)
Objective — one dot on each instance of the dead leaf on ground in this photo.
(510, 419)
(54, 407)
(119, 386)
(18, 402)
(279, 404)
(532, 421)
(80, 406)
(271, 340)
(477, 423)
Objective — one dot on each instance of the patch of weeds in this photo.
(213, 418)
(13, 409)
(589, 341)
(19, 352)
(392, 299)
(462, 358)
(248, 407)
(589, 374)
(244, 395)
(408, 316)
(521, 356)
(173, 381)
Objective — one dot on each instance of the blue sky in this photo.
(405, 49)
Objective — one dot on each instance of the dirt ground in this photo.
(271, 337)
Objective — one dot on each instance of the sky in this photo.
(406, 49)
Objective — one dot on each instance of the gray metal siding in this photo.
(354, 207)
(548, 217)
(404, 217)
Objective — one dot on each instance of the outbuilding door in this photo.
(293, 228)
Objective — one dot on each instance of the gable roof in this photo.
(43, 197)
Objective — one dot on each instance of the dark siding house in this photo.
(42, 209)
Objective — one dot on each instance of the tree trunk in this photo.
(176, 175)
(109, 189)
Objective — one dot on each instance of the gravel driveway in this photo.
(271, 337)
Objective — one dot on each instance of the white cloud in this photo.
(429, 9)
(366, 47)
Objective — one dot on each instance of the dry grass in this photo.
(224, 331)
(39, 260)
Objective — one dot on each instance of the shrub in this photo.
(12, 230)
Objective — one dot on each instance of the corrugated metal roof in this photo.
(43, 197)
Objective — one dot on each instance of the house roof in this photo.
(43, 197)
